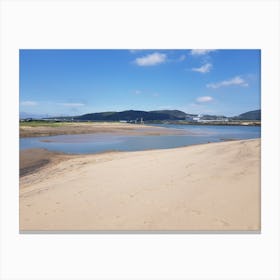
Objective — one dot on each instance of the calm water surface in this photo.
(100, 142)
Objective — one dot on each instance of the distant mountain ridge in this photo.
(133, 115)
(251, 115)
(173, 113)
(160, 115)
(157, 115)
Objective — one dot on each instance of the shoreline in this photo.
(34, 159)
(163, 189)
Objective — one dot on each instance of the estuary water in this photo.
(102, 142)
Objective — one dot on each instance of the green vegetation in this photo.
(43, 123)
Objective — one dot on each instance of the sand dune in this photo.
(214, 186)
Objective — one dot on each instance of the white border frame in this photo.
(140, 24)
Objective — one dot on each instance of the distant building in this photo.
(206, 118)
(196, 119)
(216, 120)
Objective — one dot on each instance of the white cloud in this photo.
(204, 68)
(137, 92)
(155, 94)
(29, 103)
(204, 99)
(238, 81)
(72, 104)
(151, 59)
(201, 51)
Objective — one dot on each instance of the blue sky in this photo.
(74, 82)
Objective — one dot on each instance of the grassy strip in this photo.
(44, 123)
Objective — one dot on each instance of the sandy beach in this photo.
(213, 186)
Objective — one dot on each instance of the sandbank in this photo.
(90, 127)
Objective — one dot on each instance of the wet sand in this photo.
(33, 159)
(213, 186)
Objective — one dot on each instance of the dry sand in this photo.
(214, 186)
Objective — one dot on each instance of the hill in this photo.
(132, 115)
(250, 116)
(174, 114)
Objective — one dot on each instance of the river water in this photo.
(101, 142)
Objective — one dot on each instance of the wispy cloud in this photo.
(151, 59)
(182, 58)
(204, 68)
(72, 104)
(204, 99)
(29, 103)
(237, 81)
(201, 51)
(155, 94)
